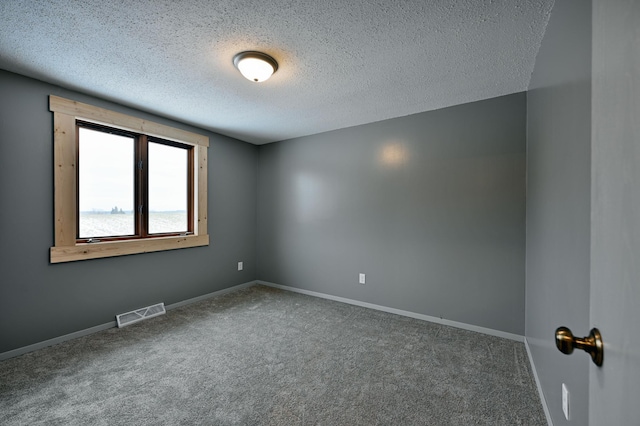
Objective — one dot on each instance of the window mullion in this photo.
(142, 195)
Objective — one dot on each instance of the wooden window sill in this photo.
(84, 251)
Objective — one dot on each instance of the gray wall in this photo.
(40, 301)
(558, 204)
(430, 206)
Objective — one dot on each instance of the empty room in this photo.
(334, 213)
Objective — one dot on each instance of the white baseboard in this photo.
(210, 295)
(111, 324)
(429, 318)
(41, 345)
(535, 376)
(75, 335)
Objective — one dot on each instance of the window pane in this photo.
(106, 184)
(167, 188)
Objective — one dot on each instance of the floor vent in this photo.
(140, 314)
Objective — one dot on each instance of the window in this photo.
(124, 185)
(131, 185)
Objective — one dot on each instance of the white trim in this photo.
(41, 345)
(60, 339)
(535, 376)
(210, 295)
(423, 317)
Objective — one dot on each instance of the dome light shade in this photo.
(255, 66)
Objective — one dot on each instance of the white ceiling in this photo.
(342, 62)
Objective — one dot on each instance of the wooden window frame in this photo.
(141, 181)
(66, 114)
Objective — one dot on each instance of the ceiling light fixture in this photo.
(255, 66)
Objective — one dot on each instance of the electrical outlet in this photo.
(240, 266)
(565, 401)
(362, 279)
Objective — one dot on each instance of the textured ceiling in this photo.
(342, 62)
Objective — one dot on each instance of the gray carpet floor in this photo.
(262, 356)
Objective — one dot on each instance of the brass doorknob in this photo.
(592, 344)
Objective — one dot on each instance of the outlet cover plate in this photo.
(565, 401)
